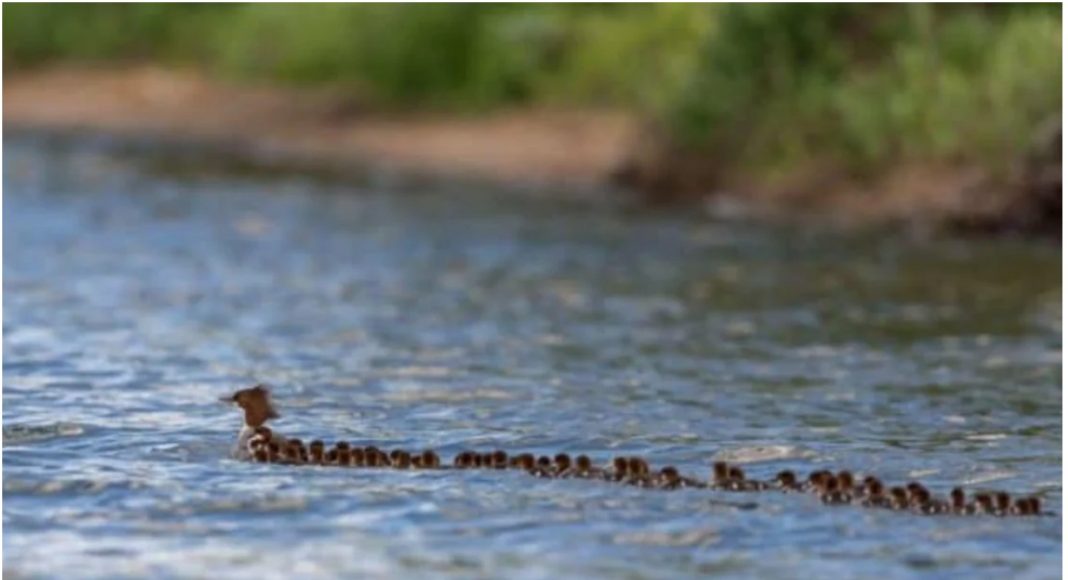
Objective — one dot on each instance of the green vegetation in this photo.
(764, 86)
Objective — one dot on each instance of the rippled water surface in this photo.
(134, 296)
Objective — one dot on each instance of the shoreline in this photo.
(570, 152)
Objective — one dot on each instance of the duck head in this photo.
(256, 403)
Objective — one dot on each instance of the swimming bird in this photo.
(1002, 503)
(958, 501)
(316, 452)
(257, 442)
(787, 480)
(873, 493)
(256, 404)
(562, 463)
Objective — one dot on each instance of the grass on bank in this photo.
(758, 86)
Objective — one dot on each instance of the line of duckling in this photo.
(832, 488)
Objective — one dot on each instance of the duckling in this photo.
(669, 478)
(638, 472)
(544, 466)
(620, 467)
(295, 452)
(735, 478)
(983, 504)
(524, 461)
(401, 460)
(562, 463)
(500, 459)
(917, 493)
(485, 459)
(344, 455)
(738, 481)
(316, 451)
(846, 483)
(720, 474)
(260, 436)
(786, 480)
(274, 452)
(431, 459)
(874, 493)
(835, 495)
(1034, 506)
(374, 457)
(899, 498)
(920, 500)
(527, 462)
(817, 481)
(957, 502)
(260, 454)
(358, 457)
(463, 460)
(339, 454)
(1021, 507)
(1002, 503)
(583, 466)
(934, 506)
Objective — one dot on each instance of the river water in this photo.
(136, 294)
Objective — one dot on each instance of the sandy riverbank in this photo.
(565, 150)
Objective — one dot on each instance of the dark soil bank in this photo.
(558, 150)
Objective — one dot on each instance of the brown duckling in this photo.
(583, 466)
(846, 483)
(1002, 503)
(721, 474)
(958, 502)
(358, 457)
(786, 480)
(431, 459)
(834, 494)
(917, 493)
(638, 472)
(562, 464)
(374, 457)
(874, 493)
(817, 481)
(500, 459)
(316, 452)
(983, 504)
(260, 454)
(523, 461)
(344, 456)
(342, 452)
(738, 481)
(620, 468)
(295, 452)
(669, 478)
(637, 467)
(463, 460)
(401, 459)
(899, 498)
(527, 462)
(274, 452)
(543, 467)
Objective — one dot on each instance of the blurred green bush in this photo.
(763, 85)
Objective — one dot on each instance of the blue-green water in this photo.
(135, 296)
